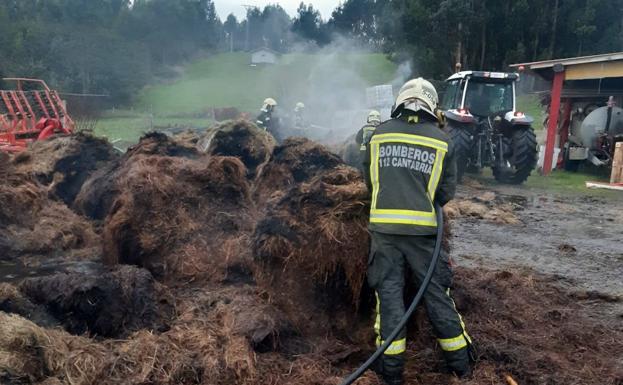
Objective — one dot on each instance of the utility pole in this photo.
(248, 9)
(459, 48)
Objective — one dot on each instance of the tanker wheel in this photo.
(520, 150)
(462, 141)
(570, 164)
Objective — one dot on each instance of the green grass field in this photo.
(227, 80)
(558, 182)
(129, 126)
(529, 104)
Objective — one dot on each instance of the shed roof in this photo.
(606, 57)
(608, 65)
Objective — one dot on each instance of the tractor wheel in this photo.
(462, 144)
(521, 154)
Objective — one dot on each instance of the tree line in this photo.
(115, 47)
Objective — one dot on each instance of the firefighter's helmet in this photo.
(374, 117)
(415, 95)
(269, 102)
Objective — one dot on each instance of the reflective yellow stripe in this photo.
(397, 347)
(469, 339)
(452, 344)
(411, 139)
(436, 175)
(377, 321)
(426, 214)
(374, 172)
(409, 217)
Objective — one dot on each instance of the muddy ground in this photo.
(574, 239)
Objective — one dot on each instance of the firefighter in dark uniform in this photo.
(409, 165)
(265, 118)
(299, 116)
(365, 133)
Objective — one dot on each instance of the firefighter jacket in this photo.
(409, 164)
(363, 136)
(264, 120)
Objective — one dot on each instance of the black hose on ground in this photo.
(418, 297)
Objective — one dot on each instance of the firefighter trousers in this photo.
(390, 257)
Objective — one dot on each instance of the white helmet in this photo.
(374, 117)
(417, 94)
(270, 102)
(299, 106)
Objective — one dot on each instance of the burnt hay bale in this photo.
(178, 216)
(239, 138)
(100, 191)
(297, 160)
(32, 225)
(64, 163)
(106, 303)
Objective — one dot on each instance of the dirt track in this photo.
(574, 239)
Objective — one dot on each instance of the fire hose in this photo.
(416, 300)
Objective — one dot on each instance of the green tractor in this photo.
(486, 128)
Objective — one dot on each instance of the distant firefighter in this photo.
(299, 116)
(265, 118)
(365, 133)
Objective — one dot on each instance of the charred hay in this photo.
(106, 303)
(486, 206)
(210, 343)
(524, 326)
(239, 138)
(178, 216)
(295, 161)
(64, 163)
(187, 138)
(100, 191)
(12, 300)
(188, 218)
(527, 327)
(34, 226)
(312, 240)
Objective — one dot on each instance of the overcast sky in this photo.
(225, 7)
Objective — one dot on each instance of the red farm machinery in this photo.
(30, 111)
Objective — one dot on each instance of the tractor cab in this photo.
(476, 95)
(485, 126)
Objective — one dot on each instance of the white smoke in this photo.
(334, 92)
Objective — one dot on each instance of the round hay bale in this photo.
(239, 138)
(64, 163)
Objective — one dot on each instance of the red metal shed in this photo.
(586, 76)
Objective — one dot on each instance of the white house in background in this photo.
(264, 56)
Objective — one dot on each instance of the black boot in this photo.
(464, 372)
(392, 369)
(377, 366)
(393, 378)
(461, 362)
